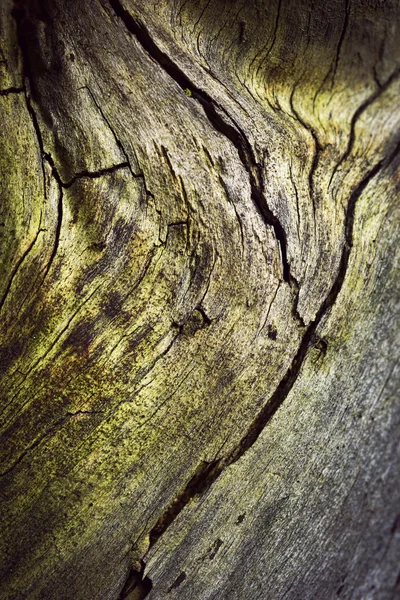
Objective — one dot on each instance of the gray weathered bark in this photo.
(199, 293)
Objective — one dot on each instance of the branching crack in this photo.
(46, 156)
(19, 16)
(117, 140)
(360, 110)
(318, 148)
(228, 128)
(207, 473)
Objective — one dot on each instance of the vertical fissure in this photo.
(212, 110)
(208, 473)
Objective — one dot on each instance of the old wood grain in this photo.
(199, 289)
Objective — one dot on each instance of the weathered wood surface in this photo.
(199, 299)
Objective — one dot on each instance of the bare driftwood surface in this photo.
(199, 296)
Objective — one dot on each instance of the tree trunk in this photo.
(200, 279)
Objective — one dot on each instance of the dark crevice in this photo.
(396, 586)
(17, 266)
(164, 152)
(173, 224)
(320, 88)
(239, 220)
(273, 41)
(295, 312)
(59, 218)
(85, 173)
(290, 377)
(36, 127)
(208, 155)
(269, 44)
(213, 111)
(136, 584)
(96, 174)
(333, 67)
(318, 148)
(272, 333)
(213, 551)
(116, 138)
(341, 40)
(178, 224)
(396, 525)
(376, 77)
(207, 287)
(204, 315)
(198, 21)
(19, 16)
(297, 202)
(207, 473)
(314, 164)
(362, 108)
(45, 156)
(381, 53)
(178, 581)
(12, 90)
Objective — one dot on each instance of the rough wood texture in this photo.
(199, 299)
